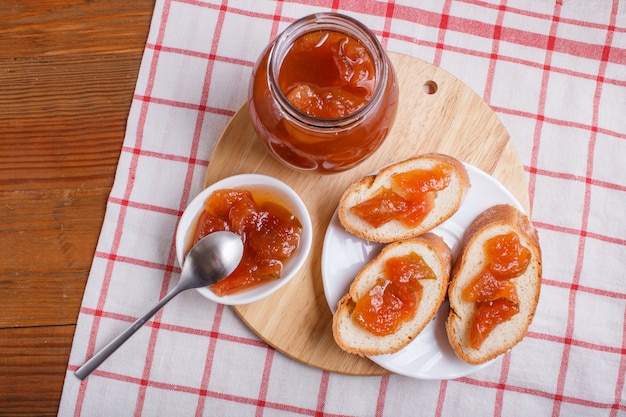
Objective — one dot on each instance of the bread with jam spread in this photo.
(445, 202)
(353, 337)
(494, 223)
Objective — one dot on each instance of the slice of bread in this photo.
(353, 338)
(446, 203)
(494, 221)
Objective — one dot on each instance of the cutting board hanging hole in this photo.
(430, 87)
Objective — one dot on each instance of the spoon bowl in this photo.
(281, 193)
(210, 260)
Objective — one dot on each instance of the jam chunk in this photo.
(395, 297)
(409, 200)
(388, 205)
(489, 315)
(507, 256)
(492, 290)
(327, 74)
(270, 233)
(486, 287)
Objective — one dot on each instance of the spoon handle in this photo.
(89, 366)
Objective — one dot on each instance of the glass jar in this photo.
(331, 127)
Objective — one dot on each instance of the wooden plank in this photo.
(68, 69)
(60, 137)
(32, 369)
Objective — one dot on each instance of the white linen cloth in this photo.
(553, 71)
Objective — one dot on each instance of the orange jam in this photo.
(409, 200)
(395, 297)
(323, 95)
(270, 233)
(327, 74)
(494, 295)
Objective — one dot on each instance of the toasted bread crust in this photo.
(447, 201)
(353, 339)
(493, 221)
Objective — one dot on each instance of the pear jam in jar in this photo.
(323, 95)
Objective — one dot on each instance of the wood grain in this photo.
(454, 120)
(67, 74)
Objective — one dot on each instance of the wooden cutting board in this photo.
(437, 113)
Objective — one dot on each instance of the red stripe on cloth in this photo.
(321, 394)
(502, 385)
(472, 27)
(183, 201)
(538, 15)
(497, 33)
(441, 398)
(213, 394)
(584, 288)
(417, 16)
(577, 178)
(208, 361)
(558, 122)
(515, 60)
(574, 342)
(211, 351)
(578, 48)
(276, 19)
(201, 55)
(138, 262)
(382, 395)
(585, 215)
(515, 36)
(223, 8)
(443, 26)
(308, 412)
(496, 36)
(582, 232)
(542, 104)
(389, 14)
(621, 375)
(170, 157)
(119, 227)
(445, 21)
(191, 106)
(539, 128)
(265, 380)
(147, 207)
(539, 393)
(214, 333)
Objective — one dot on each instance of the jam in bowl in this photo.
(323, 95)
(274, 225)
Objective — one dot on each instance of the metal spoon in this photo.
(212, 259)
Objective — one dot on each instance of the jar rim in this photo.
(337, 22)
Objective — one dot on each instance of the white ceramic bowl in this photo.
(286, 196)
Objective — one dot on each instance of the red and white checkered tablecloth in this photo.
(553, 71)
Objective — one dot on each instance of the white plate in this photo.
(429, 356)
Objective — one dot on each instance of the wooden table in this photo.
(67, 73)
